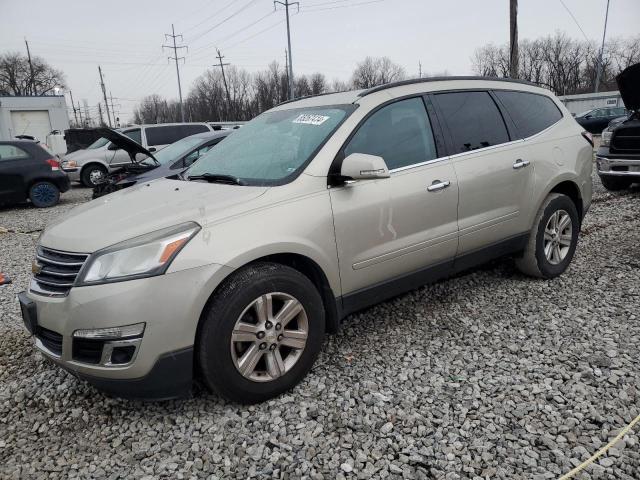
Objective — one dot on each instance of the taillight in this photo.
(588, 137)
(54, 164)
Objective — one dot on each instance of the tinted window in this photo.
(134, 135)
(473, 119)
(10, 152)
(530, 112)
(171, 133)
(400, 133)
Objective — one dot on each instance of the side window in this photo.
(192, 130)
(11, 152)
(193, 156)
(473, 119)
(134, 135)
(400, 133)
(530, 112)
(172, 133)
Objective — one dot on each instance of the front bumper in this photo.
(73, 173)
(170, 306)
(618, 167)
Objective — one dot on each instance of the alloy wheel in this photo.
(558, 235)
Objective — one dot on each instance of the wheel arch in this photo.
(94, 161)
(566, 185)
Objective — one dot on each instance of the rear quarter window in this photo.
(172, 133)
(11, 152)
(530, 112)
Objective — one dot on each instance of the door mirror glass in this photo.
(361, 166)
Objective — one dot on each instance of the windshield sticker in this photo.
(311, 119)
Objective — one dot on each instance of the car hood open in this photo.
(145, 208)
(123, 142)
(629, 84)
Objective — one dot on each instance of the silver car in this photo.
(315, 209)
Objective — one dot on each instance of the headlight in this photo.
(70, 164)
(605, 140)
(140, 257)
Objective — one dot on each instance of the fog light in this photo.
(122, 355)
(112, 333)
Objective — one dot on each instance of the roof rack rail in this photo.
(310, 96)
(439, 79)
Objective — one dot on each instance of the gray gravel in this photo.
(487, 375)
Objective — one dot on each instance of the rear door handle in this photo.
(438, 185)
(521, 164)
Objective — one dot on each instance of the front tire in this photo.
(44, 194)
(93, 175)
(615, 184)
(553, 238)
(260, 333)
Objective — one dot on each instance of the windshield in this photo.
(272, 147)
(101, 142)
(177, 149)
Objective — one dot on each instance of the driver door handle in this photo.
(521, 164)
(438, 185)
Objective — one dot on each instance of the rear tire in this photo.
(44, 194)
(92, 175)
(553, 238)
(615, 184)
(245, 354)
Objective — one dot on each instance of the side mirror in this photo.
(361, 166)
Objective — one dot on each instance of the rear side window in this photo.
(172, 133)
(400, 133)
(473, 119)
(134, 135)
(11, 152)
(530, 112)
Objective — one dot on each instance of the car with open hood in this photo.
(169, 161)
(618, 157)
(89, 166)
(234, 271)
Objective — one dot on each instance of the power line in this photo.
(237, 12)
(574, 19)
(175, 57)
(270, 27)
(286, 5)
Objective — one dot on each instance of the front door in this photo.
(388, 229)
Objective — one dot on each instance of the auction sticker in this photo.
(311, 119)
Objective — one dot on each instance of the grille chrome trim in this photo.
(57, 272)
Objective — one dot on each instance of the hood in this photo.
(161, 171)
(145, 208)
(629, 85)
(123, 142)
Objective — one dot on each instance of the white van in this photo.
(90, 165)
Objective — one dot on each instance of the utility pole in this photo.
(175, 57)
(513, 39)
(33, 79)
(224, 80)
(599, 64)
(80, 112)
(113, 111)
(286, 5)
(104, 93)
(286, 66)
(419, 69)
(100, 114)
(74, 107)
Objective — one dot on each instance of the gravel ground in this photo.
(487, 375)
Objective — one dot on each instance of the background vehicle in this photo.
(28, 171)
(594, 121)
(618, 157)
(79, 138)
(313, 210)
(90, 166)
(171, 160)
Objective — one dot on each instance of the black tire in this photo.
(534, 261)
(615, 184)
(226, 306)
(44, 194)
(89, 171)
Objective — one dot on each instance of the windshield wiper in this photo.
(217, 178)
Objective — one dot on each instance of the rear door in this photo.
(14, 166)
(495, 176)
(390, 228)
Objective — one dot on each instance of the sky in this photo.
(329, 36)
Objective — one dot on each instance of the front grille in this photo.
(58, 271)
(626, 140)
(51, 340)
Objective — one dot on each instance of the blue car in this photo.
(169, 161)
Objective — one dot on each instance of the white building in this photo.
(586, 101)
(36, 116)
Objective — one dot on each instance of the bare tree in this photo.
(16, 79)
(372, 72)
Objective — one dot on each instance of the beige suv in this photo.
(315, 209)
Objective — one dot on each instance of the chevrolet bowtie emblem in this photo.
(36, 268)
